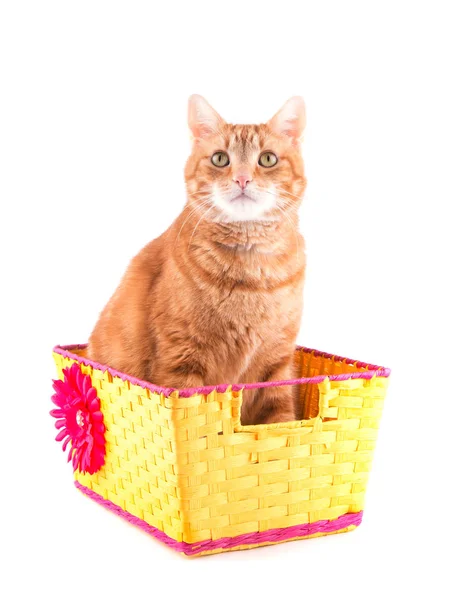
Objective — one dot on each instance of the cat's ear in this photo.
(290, 120)
(203, 120)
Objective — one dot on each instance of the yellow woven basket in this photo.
(179, 464)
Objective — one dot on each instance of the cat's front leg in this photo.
(179, 374)
(273, 404)
(170, 379)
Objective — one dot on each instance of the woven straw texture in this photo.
(186, 467)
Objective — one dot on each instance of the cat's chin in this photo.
(243, 198)
(243, 209)
(247, 222)
(244, 217)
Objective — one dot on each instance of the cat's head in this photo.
(241, 173)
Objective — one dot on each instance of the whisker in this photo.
(196, 226)
(203, 191)
(192, 212)
(278, 193)
(294, 230)
(286, 203)
(285, 192)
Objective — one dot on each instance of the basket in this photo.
(179, 464)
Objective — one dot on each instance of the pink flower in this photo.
(79, 419)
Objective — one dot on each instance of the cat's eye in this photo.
(220, 159)
(267, 159)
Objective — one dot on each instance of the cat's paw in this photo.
(280, 416)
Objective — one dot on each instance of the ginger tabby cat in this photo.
(217, 298)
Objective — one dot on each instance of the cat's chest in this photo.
(254, 308)
(249, 293)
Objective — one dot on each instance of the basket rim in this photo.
(372, 371)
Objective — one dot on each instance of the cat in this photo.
(217, 298)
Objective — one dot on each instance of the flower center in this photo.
(80, 418)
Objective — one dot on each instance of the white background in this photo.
(93, 140)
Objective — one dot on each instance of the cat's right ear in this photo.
(203, 120)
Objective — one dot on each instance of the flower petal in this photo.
(94, 405)
(91, 394)
(60, 387)
(57, 413)
(61, 435)
(86, 385)
(66, 442)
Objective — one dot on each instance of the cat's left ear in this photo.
(290, 120)
(203, 120)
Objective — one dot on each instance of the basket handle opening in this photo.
(310, 404)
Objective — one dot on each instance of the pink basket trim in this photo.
(373, 371)
(247, 539)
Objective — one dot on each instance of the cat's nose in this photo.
(242, 180)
